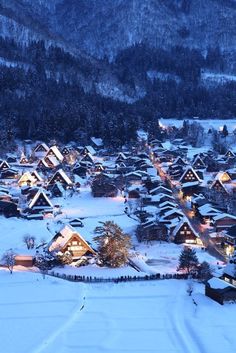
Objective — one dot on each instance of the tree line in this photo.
(53, 95)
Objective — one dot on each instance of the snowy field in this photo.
(206, 123)
(52, 315)
(82, 205)
(150, 258)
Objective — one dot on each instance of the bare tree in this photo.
(8, 260)
(29, 240)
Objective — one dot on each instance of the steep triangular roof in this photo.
(221, 184)
(188, 169)
(36, 175)
(229, 153)
(223, 176)
(179, 160)
(198, 160)
(4, 165)
(90, 150)
(181, 223)
(62, 174)
(26, 177)
(42, 146)
(39, 194)
(55, 152)
(61, 239)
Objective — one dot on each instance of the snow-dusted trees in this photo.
(44, 261)
(193, 132)
(204, 272)
(29, 241)
(65, 258)
(188, 261)
(113, 245)
(8, 260)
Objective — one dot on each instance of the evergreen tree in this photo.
(188, 261)
(225, 131)
(204, 272)
(113, 245)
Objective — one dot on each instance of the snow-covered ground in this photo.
(82, 205)
(206, 123)
(212, 77)
(164, 257)
(51, 315)
(150, 258)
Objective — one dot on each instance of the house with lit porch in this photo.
(69, 240)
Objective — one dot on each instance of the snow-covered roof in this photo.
(188, 169)
(181, 223)
(90, 149)
(173, 211)
(217, 283)
(178, 159)
(86, 156)
(36, 175)
(43, 162)
(4, 162)
(54, 149)
(190, 184)
(63, 236)
(198, 158)
(97, 141)
(121, 155)
(230, 269)
(45, 147)
(138, 174)
(63, 175)
(59, 186)
(26, 177)
(160, 187)
(35, 198)
(222, 175)
(158, 197)
(229, 151)
(223, 215)
(53, 160)
(208, 210)
(167, 203)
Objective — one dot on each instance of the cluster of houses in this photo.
(154, 182)
(46, 173)
(207, 181)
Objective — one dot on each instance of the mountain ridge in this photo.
(101, 28)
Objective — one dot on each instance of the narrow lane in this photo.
(194, 221)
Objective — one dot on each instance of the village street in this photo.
(194, 221)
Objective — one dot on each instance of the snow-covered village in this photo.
(117, 176)
(120, 249)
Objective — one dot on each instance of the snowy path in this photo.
(141, 317)
(129, 318)
(144, 317)
(65, 327)
(180, 320)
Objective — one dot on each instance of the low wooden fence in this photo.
(90, 279)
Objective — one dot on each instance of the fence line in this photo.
(90, 279)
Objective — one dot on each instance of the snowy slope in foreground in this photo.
(47, 316)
